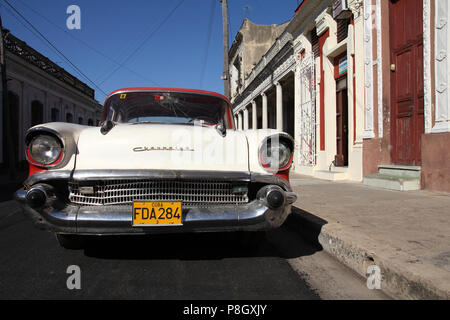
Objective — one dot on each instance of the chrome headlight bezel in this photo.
(45, 150)
(280, 145)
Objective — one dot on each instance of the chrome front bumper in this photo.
(61, 217)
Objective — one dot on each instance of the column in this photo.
(245, 118)
(358, 70)
(427, 22)
(442, 65)
(239, 123)
(62, 115)
(25, 118)
(46, 110)
(368, 71)
(264, 111)
(279, 106)
(254, 116)
(297, 114)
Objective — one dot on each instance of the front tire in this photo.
(71, 242)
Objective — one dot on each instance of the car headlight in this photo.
(275, 155)
(44, 149)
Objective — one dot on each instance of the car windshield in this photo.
(168, 107)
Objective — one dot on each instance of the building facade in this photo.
(408, 113)
(362, 87)
(38, 91)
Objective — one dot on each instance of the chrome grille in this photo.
(191, 193)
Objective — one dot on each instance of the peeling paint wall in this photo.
(251, 43)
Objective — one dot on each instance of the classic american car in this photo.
(163, 160)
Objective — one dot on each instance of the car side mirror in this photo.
(106, 127)
(221, 129)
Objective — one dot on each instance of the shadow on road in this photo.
(175, 266)
(7, 191)
(284, 242)
(306, 224)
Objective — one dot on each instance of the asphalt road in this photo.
(184, 266)
(192, 266)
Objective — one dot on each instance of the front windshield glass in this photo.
(167, 107)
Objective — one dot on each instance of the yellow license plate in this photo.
(156, 213)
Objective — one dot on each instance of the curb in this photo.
(402, 275)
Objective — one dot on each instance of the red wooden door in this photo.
(407, 112)
(341, 158)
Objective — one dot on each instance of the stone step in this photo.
(392, 182)
(330, 175)
(400, 171)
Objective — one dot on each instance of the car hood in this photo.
(162, 147)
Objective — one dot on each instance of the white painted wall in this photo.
(31, 83)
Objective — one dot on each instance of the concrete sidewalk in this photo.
(406, 234)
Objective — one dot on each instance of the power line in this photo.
(27, 27)
(85, 43)
(54, 47)
(145, 40)
(208, 40)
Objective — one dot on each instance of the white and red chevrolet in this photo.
(164, 160)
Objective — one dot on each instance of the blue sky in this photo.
(177, 55)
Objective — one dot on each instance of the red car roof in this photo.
(168, 89)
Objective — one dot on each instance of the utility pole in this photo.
(226, 75)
